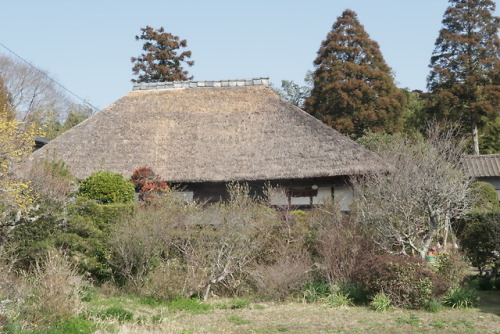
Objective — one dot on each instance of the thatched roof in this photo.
(209, 134)
(482, 165)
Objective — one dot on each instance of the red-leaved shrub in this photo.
(148, 184)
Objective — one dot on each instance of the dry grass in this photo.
(315, 318)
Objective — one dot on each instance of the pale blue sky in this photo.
(87, 45)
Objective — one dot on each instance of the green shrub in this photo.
(338, 299)
(380, 302)
(480, 239)
(496, 283)
(486, 284)
(107, 187)
(434, 306)
(314, 291)
(461, 298)
(81, 230)
(452, 267)
(407, 281)
(484, 196)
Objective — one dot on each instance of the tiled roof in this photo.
(482, 165)
(201, 84)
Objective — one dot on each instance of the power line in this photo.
(51, 79)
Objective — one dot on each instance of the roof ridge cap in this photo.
(263, 81)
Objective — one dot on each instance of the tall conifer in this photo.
(465, 66)
(354, 90)
(161, 60)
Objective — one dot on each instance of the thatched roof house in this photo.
(484, 168)
(207, 133)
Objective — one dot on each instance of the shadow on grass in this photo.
(489, 301)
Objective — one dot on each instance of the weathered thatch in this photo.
(211, 134)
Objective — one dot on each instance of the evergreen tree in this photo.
(465, 66)
(353, 89)
(161, 60)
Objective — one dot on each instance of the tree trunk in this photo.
(475, 138)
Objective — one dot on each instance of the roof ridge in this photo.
(264, 81)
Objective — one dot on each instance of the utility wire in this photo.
(53, 80)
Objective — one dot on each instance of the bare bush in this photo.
(288, 274)
(13, 293)
(339, 241)
(55, 290)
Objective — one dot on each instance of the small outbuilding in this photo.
(202, 135)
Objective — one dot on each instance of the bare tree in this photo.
(406, 209)
(33, 94)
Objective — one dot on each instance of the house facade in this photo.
(202, 135)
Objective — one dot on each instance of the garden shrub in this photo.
(480, 239)
(338, 299)
(452, 267)
(148, 184)
(461, 298)
(486, 284)
(484, 197)
(496, 283)
(380, 302)
(107, 187)
(405, 280)
(81, 230)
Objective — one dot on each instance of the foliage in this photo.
(484, 197)
(489, 142)
(406, 210)
(81, 229)
(486, 283)
(405, 280)
(338, 299)
(461, 298)
(293, 93)
(148, 184)
(480, 239)
(496, 283)
(16, 143)
(380, 302)
(354, 90)
(465, 65)
(452, 268)
(201, 248)
(314, 291)
(107, 187)
(114, 312)
(161, 60)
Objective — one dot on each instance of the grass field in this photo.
(139, 315)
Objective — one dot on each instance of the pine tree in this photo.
(161, 60)
(465, 66)
(353, 89)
